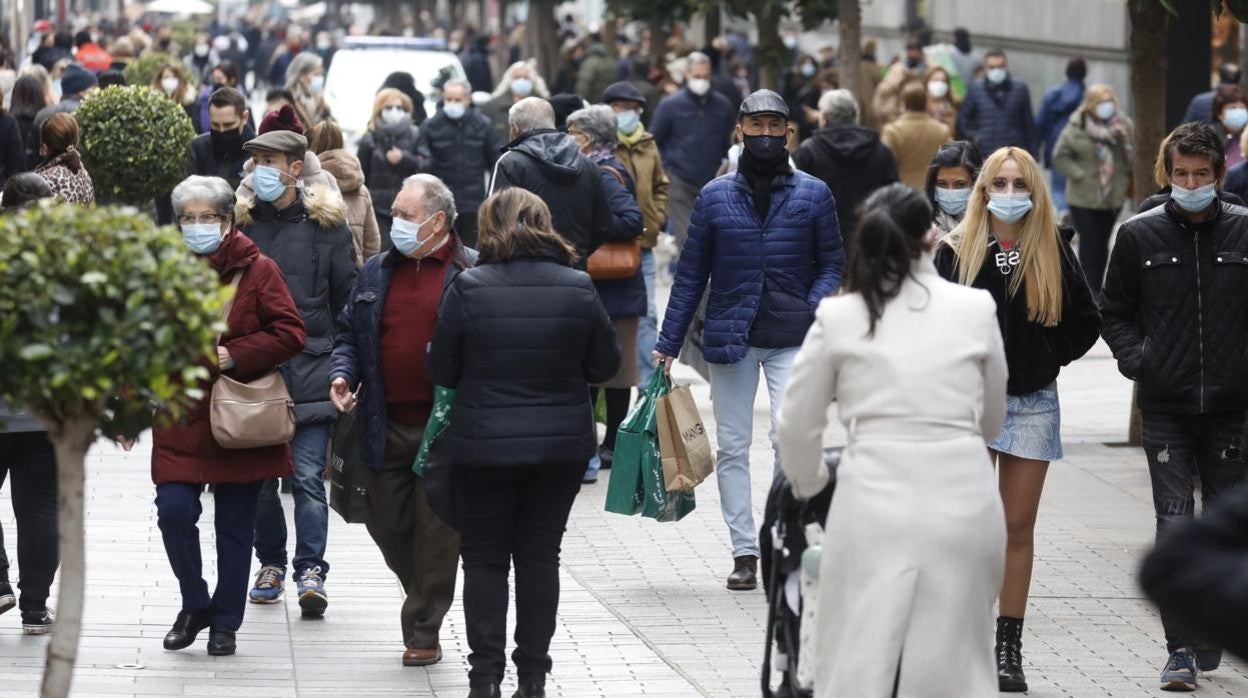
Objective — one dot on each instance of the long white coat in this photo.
(915, 545)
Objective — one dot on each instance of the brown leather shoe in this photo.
(417, 656)
(744, 576)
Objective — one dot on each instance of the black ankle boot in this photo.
(1010, 677)
(186, 628)
(485, 690)
(530, 690)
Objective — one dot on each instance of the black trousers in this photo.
(1095, 227)
(28, 460)
(512, 513)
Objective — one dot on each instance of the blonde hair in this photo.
(379, 104)
(325, 136)
(1095, 94)
(1040, 264)
(1159, 165)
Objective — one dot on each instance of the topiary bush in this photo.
(101, 314)
(142, 70)
(134, 143)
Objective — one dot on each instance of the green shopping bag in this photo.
(637, 472)
(439, 420)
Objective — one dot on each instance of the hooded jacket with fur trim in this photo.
(311, 243)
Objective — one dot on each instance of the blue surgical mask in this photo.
(1105, 110)
(953, 201)
(809, 70)
(627, 120)
(1009, 208)
(406, 235)
(267, 181)
(316, 84)
(202, 238)
(1193, 200)
(454, 110)
(997, 75)
(1235, 118)
(522, 86)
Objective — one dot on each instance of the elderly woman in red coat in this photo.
(264, 331)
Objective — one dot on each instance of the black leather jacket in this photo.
(1175, 309)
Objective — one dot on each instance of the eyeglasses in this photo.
(205, 218)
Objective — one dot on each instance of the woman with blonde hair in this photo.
(942, 105)
(62, 160)
(305, 78)
(1095, 152)
(1009, 244)
(325, 139)
(387, 153)
(520, 337)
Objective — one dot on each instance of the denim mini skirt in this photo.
(1032, 426)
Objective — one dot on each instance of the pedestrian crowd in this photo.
(491, 269)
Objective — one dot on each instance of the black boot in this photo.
(1010, 677)
(186, 628)
(221, 641)
(485, 690)
(530, 689)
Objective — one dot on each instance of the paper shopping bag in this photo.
(683, 441)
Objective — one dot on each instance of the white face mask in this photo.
(169, 85)
(938, 88)
(393, 115)
(699, 86)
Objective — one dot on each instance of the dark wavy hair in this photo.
(888, 239)
(952, 154)
(1196, 138)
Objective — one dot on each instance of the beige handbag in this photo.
(251, 415)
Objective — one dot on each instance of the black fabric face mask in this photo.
(226, 142)
(767, 150)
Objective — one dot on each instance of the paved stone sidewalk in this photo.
(644, 610)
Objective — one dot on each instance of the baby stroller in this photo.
(782, 542)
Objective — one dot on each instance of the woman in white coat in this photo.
(915, 543)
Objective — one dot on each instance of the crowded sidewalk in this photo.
(643, 608)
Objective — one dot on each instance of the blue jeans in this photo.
(177, 513)
(310, 446)
(1058, 183)
(733, 387)
(647, 328)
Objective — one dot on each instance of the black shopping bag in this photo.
(348, 493)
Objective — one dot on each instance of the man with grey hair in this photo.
(459, 146)
(379, 361)
(848, 157)
(694, 130)
(549, 163)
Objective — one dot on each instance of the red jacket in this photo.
(265, 331)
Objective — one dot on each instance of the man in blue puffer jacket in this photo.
(997, 111)
(766, 238)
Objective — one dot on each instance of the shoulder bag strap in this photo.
(229, 305)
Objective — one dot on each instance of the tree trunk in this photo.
(71, 442)
(611, 28)
(542, 35)
(1146, 47)
(849, 53)
(714, 21)
(769, 45)
(658, 41)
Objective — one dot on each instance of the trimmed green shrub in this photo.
(101, 314)
(134, 143)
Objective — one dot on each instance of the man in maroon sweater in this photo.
(380, 359)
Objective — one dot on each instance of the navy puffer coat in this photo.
(794, 257)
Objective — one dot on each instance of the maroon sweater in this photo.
(407, 323)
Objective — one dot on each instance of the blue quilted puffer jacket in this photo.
(785, 265)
